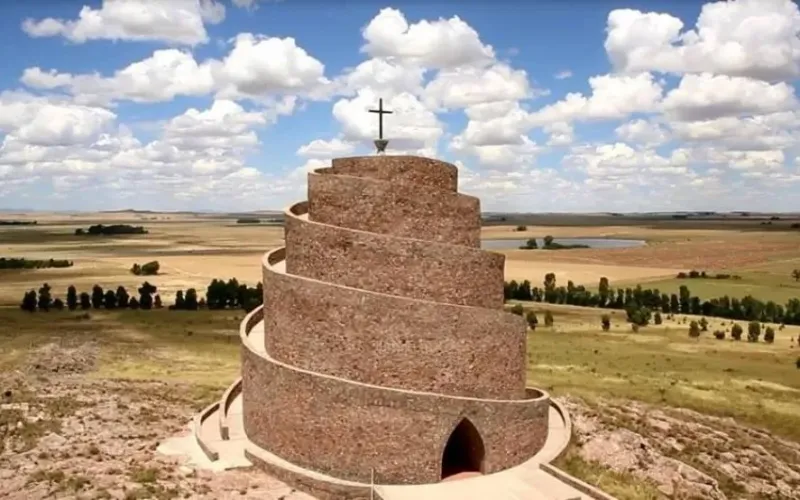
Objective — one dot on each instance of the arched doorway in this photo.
(464, 451)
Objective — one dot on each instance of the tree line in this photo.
(219, 295)
(652, 300)
(703, 275)
(18, 222)
(23, 263)
(113, 229)
(98, 299)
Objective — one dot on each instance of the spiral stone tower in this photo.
(382, 353)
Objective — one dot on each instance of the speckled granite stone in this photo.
(351, 334)
(397, 209)
(450, 274)
(343, 429)
(434, 174)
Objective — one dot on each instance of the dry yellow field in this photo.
(519, 267)
(193, 249)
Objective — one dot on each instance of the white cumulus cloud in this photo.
(443, 43)
(751, 38)
(174, 21)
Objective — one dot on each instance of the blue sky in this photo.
(545, 106)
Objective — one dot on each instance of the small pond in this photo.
(513, 244)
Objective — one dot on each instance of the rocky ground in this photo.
(686, 454)
(64, 435)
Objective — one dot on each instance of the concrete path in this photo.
(185, 445)
(231, 451)
(533, 484)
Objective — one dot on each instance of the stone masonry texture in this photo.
(399, 210)
(410, 170)
(439, 272)
(344, 429)
(385, 331)
(351, 334)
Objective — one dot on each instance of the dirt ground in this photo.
(67, 435)
(673, 449)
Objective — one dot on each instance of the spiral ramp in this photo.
(382, 332)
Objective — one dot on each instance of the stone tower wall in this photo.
(346, 429)
(434, 174)
(417, 269)
(404, 209)
(382, 332)
(393, 341)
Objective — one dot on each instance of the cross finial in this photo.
(380, 143)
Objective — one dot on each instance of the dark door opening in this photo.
(463, 451)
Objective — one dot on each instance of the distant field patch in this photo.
(191, 251)
(518, 268)
(763, 286)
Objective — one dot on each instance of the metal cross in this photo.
(380, 112)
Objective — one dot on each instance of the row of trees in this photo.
(18, 222)
(113, 229)
(233, 295)
(703, 275)
(632, 299)
(23, 263)
(98, 299)
(754, 329)
(256, 220)
(219, 295)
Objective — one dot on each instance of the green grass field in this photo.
(199, 347)
(755, 383)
